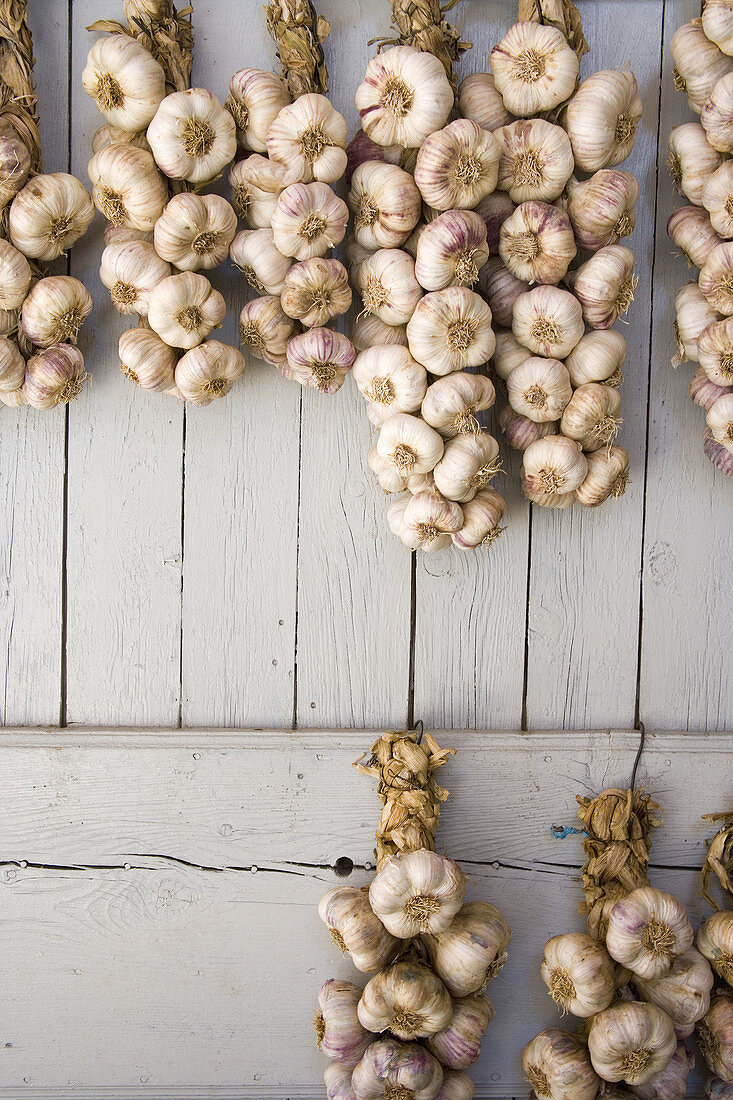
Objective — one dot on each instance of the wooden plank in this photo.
(241, 485)
(686, 672)
(353, 575)
(465, 673)
(584, 596)
(32, 461)
(124, 513)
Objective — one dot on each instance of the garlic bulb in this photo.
(356, 930)
(49, 215)
(15, 276)
(590, 415)
(339, 1034)
(192, 136)
(385, 203)
(124, 80)
(183, 309)
(112, 135)
(607, 476)
(715, 1037)
(266, 329)
(539, 389)
(508, 354)
(10, 318)
(55, 310)
(411, 445)
(389, 478)
(195, 231)
(536, 243)
(309, 136)
(715, 352)
(264, 267)
(716, 278)
(472, 950)
(601, 209)
(337, 1079)
(479, 100)
(690, 229)
(715, 941)
(127, 188)
(458, 1044)
(320, 358)
(468, 464)
(605, 285)
(631, 1041)
(12, 366)
(520, 431)
(208, 371)
(494, 209)
(388, 287)
(671, 1082)
(717, 198)
(130, 270)
(118, 234)
(404, 97)
(54, 377)
(450, 330)
(15, 163)
(699, 63)
(704, 392)
(548, 320)
(557, 1066)
(557, 466)
(388, 376)
(597, 357)
(683, 992)
(720, 421)
(579, 974)
(720, 456)
(601, 119)
(481, 521)
(356, 253)
(716, 116)
(255, 99)
(407, 999)
(315, 291)
(693, 314)
(534, 68)
(147, 360)
(450, 404)
(717, 22)
(647, 930)
(15, 399)
(362, 149)
(457, 166)
(501, 289)
(417, 891)
(308, 220)
(691, 160)
(368, 330)
(256, 185)
(391, 1068)
(536, 160)
(451, 250)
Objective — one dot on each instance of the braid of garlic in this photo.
(562, 14)
(164, 31)
(17, 93)
(719, 860)
(421, 24)
(298, 32)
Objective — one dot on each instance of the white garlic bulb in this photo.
(683, 992)
(647, 930)
(556, 466)
(388, 287)
(389, 478)
(597, 357)
(124, 80)
(15, 163)
(520, 431)
(385, 203)
(508, 354)
(457, 166)
(147, 360)
(418, 891)
(411, 445)
(450, 404)
(479, 100)
(699, 63)
(309, 136)
(717, 198)
(536, 160)
(337, 1079)
(601, 119)
(472, 950)
(15, 276)
(54, 376)
(602, 209)
(255, 99)
(715, 1037)
(715, 941)
(450, 330)
(356, 930)
(671, 1082)
(264, 267)
(716, 278)
(534, 68)
(116, 234)
(467, 464)
(557, 1066)
(716, 116)
(607, 476)
(183, 309)
(55, 310)
(192, 136)
(208, 371)
(536, 243)
(690, 229)
(579, 974)
(590, 415)
(256, 185)
(458, 1044)
(605, 285)
(127, 188)
(308, 220)
(451, 250)
(631, 1041)
(320, 358)
(691, 160)
(549, 321)
(391, 1068)
(407, 999)
(266, 329)
(49, 215)
(339, 1034)
(501, 289)
(715, 352)
(481, 520)
(539, 389)
(717, 22)
(195, 231)
(130, 270)
(404, 97)
(693, 314)
(720, 421)
(367, 330)
(12, 366)
(388, 376)
(315, 291)
(356, 253)
(112, 135)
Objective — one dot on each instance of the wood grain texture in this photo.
(32, 462)
(686, 670)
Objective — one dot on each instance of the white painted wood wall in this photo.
(232, 567)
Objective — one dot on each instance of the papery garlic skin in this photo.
(601, 119)
(404, 97)
(671, 1082)
(265, 268)
(124, 80)
(208, 371)
(715, 352)
(520, 431)
(717, 22)
(598, 356)
(699, 63)
(339, 1034)
(468, 464)
(362, 149)
(255, 99)
(548, 321)
(131, 270)
(536, 160)
(451, 250)
(418, 891)
(183, 309)
(534, 68)
(501, 289)
(387, 375)
(319, 358)
(716, 116)
(494, 209)
(407, 999)
(715, 1037)
(693, 314)
(391, 1067)
(15, 163)
(388, 287)
(508, 354)
(256, 185)
(385, 203)
(118, 234)
(579, 974)
(450, 330)
(716, 278)
(691, 160)
(704, 392)
(368, 330)
(389, 478)
(127, 188)
(450, 404)
(717, 198)
(690, 229)
(607, 476)
(716, 453)
(266, 329)
(192, 136)
(647, 930)
(457, 166)
(715, 941)
(481, 520)
(683, 992)
(195, 231)
(356, 930)
(554, 465)
(479, 100)
(590, 416)
(309, 136)
(536, 243)
(605, 285)
(472, 950)
(411, 445)
(308, 220)
(111, 135)
(315, 291)
(458, 1044)
(631, 1042)
(147, 360)
(602, 209)
(337, 1079)
(54, 377)
(720, 421)
(15, 276)
(557, 1066)
(49, 215)
(55, 310)
(12, 366)
(539, 389)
